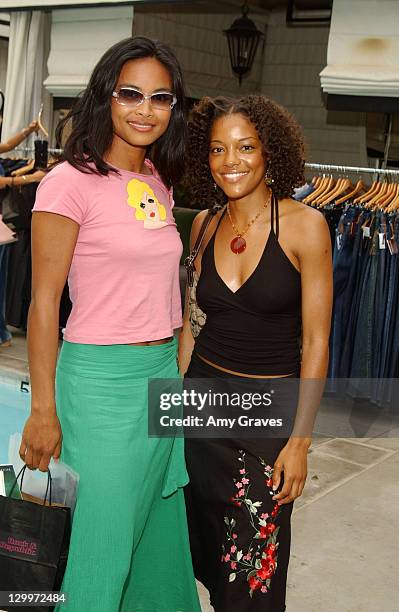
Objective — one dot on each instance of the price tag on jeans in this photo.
(339, 241)
(381, 238)
(393, 247)
(366, 231)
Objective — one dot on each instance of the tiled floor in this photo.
(345, 527)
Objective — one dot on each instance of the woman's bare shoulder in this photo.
(305, 228)
(302, 213)
(197, 224)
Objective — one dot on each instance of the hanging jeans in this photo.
(387, 390)
(393, 354)
(363, 340)
(351, 305)
(342, 263)
(381, 295)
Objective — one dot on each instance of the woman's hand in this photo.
(33, 127)
(35, 177)
(41, 440)
(25, 179)
(293, 461)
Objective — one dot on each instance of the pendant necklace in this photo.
(239, 244)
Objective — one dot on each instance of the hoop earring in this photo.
(269, 180)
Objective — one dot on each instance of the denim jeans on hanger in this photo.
(332, 214)
(381, 298)
(394, 353)
(4, 333)
(342, 262)
(363, 337)
(350, 309)
(384, 391)
(381, 294)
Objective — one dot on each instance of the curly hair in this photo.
(278, 131)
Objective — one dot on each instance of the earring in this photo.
(215, 187)
(268, 178)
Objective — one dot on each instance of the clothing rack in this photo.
(309, 166)
(357, 170)
(24, 151)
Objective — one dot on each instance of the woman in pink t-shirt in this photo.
(103, 217)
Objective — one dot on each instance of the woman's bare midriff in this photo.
(151, 342)
(239, 373)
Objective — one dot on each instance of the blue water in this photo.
(14, 410)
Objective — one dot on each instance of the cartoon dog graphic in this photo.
(148, 208)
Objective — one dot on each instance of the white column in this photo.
(363, 49)
(79, 37)
(25, 70)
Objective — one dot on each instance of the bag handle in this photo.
(49, 481)
(189, 261)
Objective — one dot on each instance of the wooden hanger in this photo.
(375, 202)
(360, 186)
(372, 198)
(324, 186)
(25, 169)
(385, 199)
(316, 182)
(336, 184)
(329, 187)
(342, 185)
(39, 120)
(394, 205)
(375, 186)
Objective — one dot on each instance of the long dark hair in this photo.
(92, 130)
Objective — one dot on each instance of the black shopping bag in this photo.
(34, 543)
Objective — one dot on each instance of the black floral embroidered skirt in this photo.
(239, 536)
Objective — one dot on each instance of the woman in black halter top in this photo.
(265, 286)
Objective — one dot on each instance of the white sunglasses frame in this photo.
(115, 94)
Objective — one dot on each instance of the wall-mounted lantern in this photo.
(243, 38)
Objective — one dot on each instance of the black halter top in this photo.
(256, 329)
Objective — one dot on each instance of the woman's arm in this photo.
(186, 340)
(314, 254)
(18, 181)
(53, 242)
(14, 141)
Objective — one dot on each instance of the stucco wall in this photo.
(287, 69)
(201, 47)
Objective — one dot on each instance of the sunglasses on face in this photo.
(128, 96)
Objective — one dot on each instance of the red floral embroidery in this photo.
(259, 561)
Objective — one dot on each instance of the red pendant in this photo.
(238, 245)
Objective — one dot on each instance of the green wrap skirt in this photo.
(129, 547)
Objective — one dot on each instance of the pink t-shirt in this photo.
(124, 276)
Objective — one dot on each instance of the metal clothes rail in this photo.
(28, 150)
(345, 169)
(309, 166)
